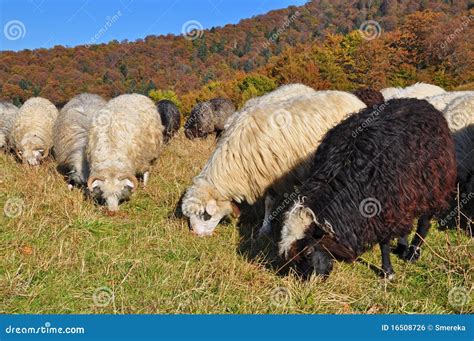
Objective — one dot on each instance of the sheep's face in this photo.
(31, 150)
(112, 190)
(205, 209)
(299, 243)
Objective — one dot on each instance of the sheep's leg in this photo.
(386, 263)
(146, 177)
(266, 227)
(402, 245)
(414, 251)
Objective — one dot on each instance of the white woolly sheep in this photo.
(266, 147)
(440, 102)
(70, 136)
(417, 90)
(8, 114)
(283, 93)
(124, 141)
(32, 131)
(460, 116)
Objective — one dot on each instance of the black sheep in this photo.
(372, 175)
(170, 118)
(208, 117)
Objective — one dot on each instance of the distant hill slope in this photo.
(185, 65)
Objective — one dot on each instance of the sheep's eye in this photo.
(206, 216)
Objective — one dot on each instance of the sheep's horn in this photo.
(91, 180)
(132, 178)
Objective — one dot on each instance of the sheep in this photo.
(417, 90)
(32, 131)
(460, 116)
(370, 97)
(208, 117)
(124, 141)
(283, 93)
(8, 114)
(440, 102)
(367, 188)
(70, 135)
(170, 118)
(265, 148)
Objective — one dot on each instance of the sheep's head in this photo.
(112, 190)
(31, 150)
(205, 207)
(300, 242)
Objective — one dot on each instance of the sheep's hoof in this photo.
(412, 254)
(401, 249)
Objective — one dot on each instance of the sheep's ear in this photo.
(211, 207)
(307, 216)
(96, 183)
(129, 183)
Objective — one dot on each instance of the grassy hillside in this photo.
(62, 254)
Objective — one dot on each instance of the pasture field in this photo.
(62, 254)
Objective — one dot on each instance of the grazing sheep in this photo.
(368, 188)
(32, 131)
(124, 141)
(418, 90)
(283, 93)
(370, 97)
(8, 114)
(70, 137)
(170, 118)
(440, 102)
(265, 148)
(460, 116)
(208, 117)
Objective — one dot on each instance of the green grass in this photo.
(65, 255)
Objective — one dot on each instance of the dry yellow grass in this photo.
(63, 254)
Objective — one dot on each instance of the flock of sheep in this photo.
(348, 170)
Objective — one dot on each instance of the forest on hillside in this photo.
(323, 44)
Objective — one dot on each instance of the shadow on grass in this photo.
(262, 249)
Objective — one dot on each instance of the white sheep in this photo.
(460, 116)
(70, 136)
(417, 90)
(440, 102)
(265, 147)
(32, 131)
(283, 93)
(124, 141)
(8, 114)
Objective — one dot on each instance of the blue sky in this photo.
(29, 24)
